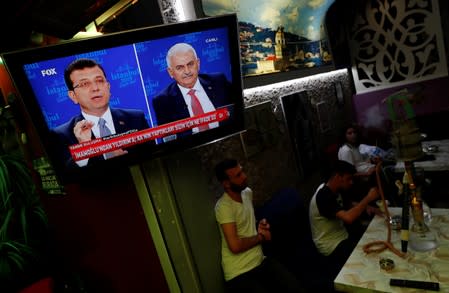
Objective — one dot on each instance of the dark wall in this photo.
(100, 234)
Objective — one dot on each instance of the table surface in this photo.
(362, 272)
(441, 162)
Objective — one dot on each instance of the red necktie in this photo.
(196, 108)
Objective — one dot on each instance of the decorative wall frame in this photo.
(396, 42)
(277, 36)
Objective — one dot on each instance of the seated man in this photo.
(349, 151)
(329, 218)
(365, 158)
(246, 268)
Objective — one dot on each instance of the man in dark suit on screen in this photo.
(192, 93)
(88, 87)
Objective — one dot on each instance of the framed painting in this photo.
(278, 36)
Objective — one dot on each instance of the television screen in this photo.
(116, 99)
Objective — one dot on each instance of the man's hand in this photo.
(373, 194)
(375, 160)
(116, 153)
(83, 130)
(264, 229)
(371, 170)
(370, 210)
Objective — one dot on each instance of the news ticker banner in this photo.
(111, 143)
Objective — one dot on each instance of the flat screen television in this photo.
(134, 70)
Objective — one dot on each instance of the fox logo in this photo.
(49, 72)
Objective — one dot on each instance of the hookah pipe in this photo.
(407, 140)
(403, 98)
(381, 245)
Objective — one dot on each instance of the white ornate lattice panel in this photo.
(170, 10)
(396, 42)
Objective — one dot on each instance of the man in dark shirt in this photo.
(329, 217)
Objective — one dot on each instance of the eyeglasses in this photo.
(87, 84)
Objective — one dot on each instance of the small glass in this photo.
(396, 222)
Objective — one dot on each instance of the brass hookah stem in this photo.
(381, 245)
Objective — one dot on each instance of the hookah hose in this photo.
(381, 245)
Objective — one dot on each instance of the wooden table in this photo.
(441, 162)
(362, 272)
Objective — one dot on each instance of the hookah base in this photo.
(423, 241)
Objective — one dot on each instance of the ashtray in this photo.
(431, 148)
(395, 222)
(386, 264)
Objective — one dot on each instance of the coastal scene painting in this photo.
(278, 36)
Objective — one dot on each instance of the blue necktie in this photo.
(104, 131)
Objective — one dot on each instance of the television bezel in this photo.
(14, 62)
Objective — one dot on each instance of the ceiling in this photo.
(63, 19)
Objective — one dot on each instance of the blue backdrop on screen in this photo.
(121, 70)
(136, 73)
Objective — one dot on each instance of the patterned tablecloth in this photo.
(441, 162)
(362, 272)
